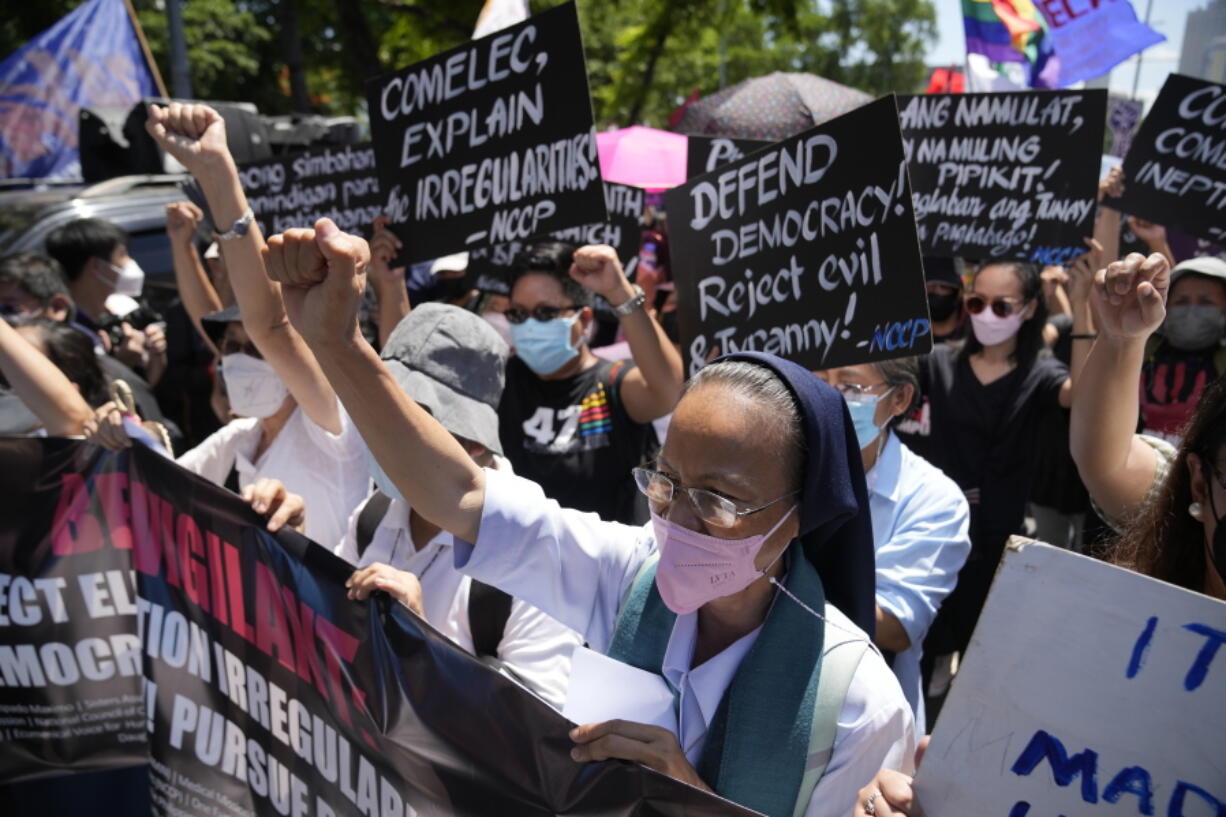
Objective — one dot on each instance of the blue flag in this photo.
(1090, 38)
(90, 58)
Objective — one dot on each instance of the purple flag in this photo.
(89, 58)
(1090, 37)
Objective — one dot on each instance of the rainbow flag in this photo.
(1007, 46)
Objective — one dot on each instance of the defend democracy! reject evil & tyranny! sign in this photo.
(490, 142)
(1087, 690)
(806, 249)
(1005, 175)
(1175, 170)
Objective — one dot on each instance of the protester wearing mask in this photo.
(450, 362)
(988, 398)
(105, 281)
(571, 422)
(779, 710)
(920, 517)
(1187, 354)
(32, 286)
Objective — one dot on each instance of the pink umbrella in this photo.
(643, 157)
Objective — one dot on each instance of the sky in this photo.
(1168, 17)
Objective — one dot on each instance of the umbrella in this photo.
(643, 157)
(772, 107)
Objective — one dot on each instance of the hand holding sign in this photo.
(653, 746)
(1130, 295)
(323, 275)
(193, 134)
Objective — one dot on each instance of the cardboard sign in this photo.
(489, 142)
(488, 266)
(298, 189)
(1175, 171)
(1087, 690)
(706, 153)
(1005, 175)
(806, 249)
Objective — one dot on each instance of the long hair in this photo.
(1030, 336)
(73, 353)
(1163, 540)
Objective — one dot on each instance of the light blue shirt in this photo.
(921, 536)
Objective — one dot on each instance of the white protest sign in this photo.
(1086, 690)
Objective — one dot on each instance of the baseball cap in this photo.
(941, 271)
(214, 325)
(1207, 265)
(456, 262)
(451, 362)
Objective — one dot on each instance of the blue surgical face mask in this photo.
(544, 346)
(382, 481)
(863, 409)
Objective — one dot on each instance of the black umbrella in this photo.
(772, 107)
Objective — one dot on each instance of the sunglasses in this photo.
(542, 313)
(719, 511)
(1002, 307)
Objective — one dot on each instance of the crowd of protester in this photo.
(797, 536)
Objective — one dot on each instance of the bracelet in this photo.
(634, 303)
(1084, 336)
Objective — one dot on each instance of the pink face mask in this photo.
(695, 568)
(990, 330)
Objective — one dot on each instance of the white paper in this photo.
(604, 689)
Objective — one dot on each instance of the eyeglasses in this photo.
(542, 313)
(229, 346)
(1003, 307)
(855, 389)
(720, 511)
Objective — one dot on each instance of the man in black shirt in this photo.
(570, 421)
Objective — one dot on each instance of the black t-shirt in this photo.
(986, 437)
(574, 438)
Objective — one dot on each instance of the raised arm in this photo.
(46, 391)
(195, 290)
(322, 273)
(196, 136)
(1129, 303)
(653, 387)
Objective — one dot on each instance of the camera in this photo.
(140, 318)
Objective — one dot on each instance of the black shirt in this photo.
(574, 438)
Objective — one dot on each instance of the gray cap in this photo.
(452, 362)
(1208, 265)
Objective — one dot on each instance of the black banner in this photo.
(488, 265)
(706, 153)
(1175, 170)
(806, 249)
(490, 142)
(1005, 175)
(298, 189)
(268, 692)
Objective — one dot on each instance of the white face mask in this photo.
(252, 386)
(130, 278)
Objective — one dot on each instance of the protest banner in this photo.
(298, 189)
(267, 690)
(1076, 703)
(488, 266)
(491, 141)
(706, 153)
(1005, 175)
(70, 659)
(1175, 170)
(806, 249)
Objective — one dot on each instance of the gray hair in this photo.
(903, 371)
(759, 383)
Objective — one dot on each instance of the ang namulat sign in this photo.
(490, 142)
(1083, 703)
(806, 249)
(1175, 170)
(1005, 175)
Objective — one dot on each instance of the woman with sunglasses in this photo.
(759, 537)
(987, 399)
(571, 422)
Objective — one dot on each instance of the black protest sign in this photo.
(298, 189)
(488, 266)
(70, 659)
(267, 691)
(706, 153)
(1005, 175)
(490, 142)
(806, 249)
(1175, 170)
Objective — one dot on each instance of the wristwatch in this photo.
(239, 229)
(634, 303)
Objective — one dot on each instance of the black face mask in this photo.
(941, 306)
(668, 322)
